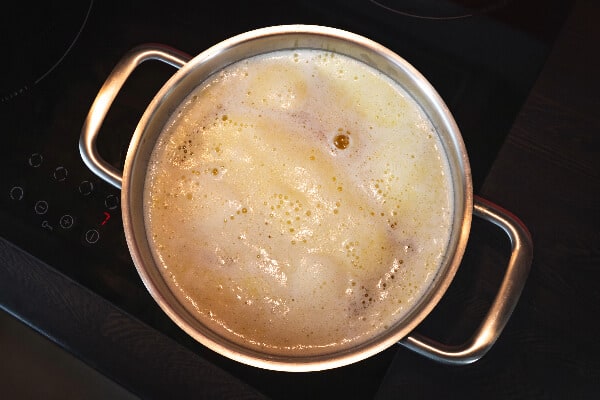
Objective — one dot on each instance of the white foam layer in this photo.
(299, 201)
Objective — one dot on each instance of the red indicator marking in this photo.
(106, 218)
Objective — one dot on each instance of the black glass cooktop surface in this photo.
(482, 56)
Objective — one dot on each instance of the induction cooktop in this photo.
(482, 57)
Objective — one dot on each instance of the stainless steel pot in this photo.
(195, 70)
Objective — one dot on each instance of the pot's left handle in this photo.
(105, 98)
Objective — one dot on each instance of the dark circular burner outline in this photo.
(470, 12)
(12, 93)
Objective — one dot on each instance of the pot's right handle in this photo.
(105, 98)
(504, 303)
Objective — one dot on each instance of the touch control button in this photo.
(41, 207)
(16, 193)
(111, 201)
(86, 188)
(60, 173)
(92, 236)
(66, 221)
(35, 160)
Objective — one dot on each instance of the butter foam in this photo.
(298, 201)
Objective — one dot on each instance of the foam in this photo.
(298, 201)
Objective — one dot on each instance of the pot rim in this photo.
(374, 53)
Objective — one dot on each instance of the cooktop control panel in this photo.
(54, 199)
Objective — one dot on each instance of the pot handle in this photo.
(504, 303)
(105, 98)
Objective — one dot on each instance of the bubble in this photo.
(341, 141)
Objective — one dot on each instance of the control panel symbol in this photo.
(92, 236)
(60, 173)
(46, 225)
(66, 221)
(16, 193)
(41, 207)
(86, 188)
(111, 202)
(106, 218)
(35, 160)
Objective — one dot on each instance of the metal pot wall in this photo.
(195, 70)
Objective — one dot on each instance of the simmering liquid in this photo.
(298, 202)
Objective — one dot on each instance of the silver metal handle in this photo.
(105, 98)
(504, 303)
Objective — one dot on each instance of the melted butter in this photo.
(298, 201)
